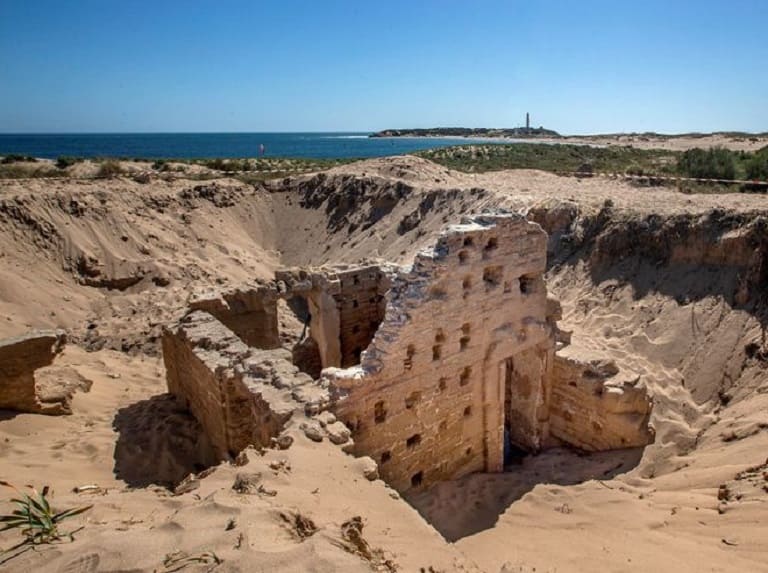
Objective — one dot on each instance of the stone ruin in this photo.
(29, 382)
(434, 371)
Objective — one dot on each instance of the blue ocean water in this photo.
(207, 145)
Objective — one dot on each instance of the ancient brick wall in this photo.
(428, 400)
(361, 304)
(594, 407)
(250, 313)
(226, 385)
(19, 358)
(429, 366)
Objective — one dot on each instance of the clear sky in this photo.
(362, 65)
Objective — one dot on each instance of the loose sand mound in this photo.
(669, 286)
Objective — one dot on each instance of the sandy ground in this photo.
(676, 143)
(110, 261)
(749, 142)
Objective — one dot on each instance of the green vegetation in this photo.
(265, 165)
(65, 161)
(247, 170)
(16, 171)
(757, 165)
(556, 158)
(16, 158)
(715, 163)
(34, 517)
(109, 168)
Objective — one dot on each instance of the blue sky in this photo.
(324, 65)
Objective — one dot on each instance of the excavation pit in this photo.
(434, 388)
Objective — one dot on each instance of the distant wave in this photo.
(348, 137)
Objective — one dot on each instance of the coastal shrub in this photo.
(713, 163)
(757, 165)
(16, 158)
(20, 171)
(109, 168)
(227, 165)
(65, 161)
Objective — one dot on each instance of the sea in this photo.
(209, 145)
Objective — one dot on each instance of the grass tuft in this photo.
(35, 518)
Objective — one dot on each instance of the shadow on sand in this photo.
(471, 504)
(159, 443)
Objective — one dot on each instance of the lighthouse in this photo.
(527, 122)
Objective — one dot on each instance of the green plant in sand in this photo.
(34, 517)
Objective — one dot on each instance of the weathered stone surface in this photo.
(284, 441)
(368, 468)
(313, 431)
(596, 407)
(464, 359)
(251, 313)
(204, 361)
(20, 357)
(325, 418)
(464, 347)
(338, 433)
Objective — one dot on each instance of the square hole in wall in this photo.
(437, 292)
(467, 411)
(409, 354)
(413, 441)
(528, 284)
(469, 242)
(355, 426)
(442, 384)
(412, 399)
(490, 246)
(386, 456)
(379, 412)
(465, 375)
(437, 352)
(463, 257)
(417, 479)
(492, 276)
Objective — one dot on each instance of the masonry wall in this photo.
(250, 313)
(207, 367)
(592, 408)
(361, 303)
(427, 402)
(527, 396)
(19, 358)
